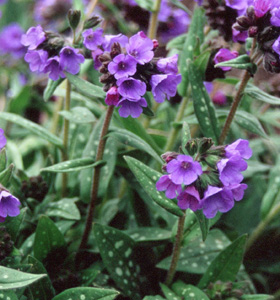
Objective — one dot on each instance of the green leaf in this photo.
(116, 250)
(8, 295)
(146, 4)
(3, 159)
(177, 42)
(186, 136)
(32, 127)
(240, 62)
(13, 279)
(47, 238)
(84, 293)
(203, 223)
(78, 114)
(196, 256)
(13, 224)
(147, 178)
(195, 33)
(168, 293)
(201, 62)
(43, 289)
(188, 291)
(257, 297)
(73, 165)
(203, 106)
(86, 88)
(131, 139)
(258, 94)
(50, 89)
(64, 208)
(6, 175)
(157, 297)
(226, 265)
(148, 234)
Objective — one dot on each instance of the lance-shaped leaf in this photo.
(116, 250)
(203, 106)
(149, 234)
(169, 294)
(32, 127)
(146, 4)
(3, 159)
(78, 114)
(73, 165)
(188, 291)
(147, 178)
(226, 265)
(64, 208)
(6, 175)
(240, 62)
(51, 87)
(258, 94)
(13, 224)
(86, 88)
(203, 223)
(13, 279)
(8, 295)
(84, 293)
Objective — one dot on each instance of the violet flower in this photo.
(70, 60)
(224, 55)
(93, 39)
(33, 37)
(109, 40)
(239, 147)
(219, 98)
(276, 46)
(131, 88)
(3, 140)
(53, 66)
(262, 7)
(122, 66)
(166, 184)
(189, 198)
(275, 17)
(36, 59)
(164, 85)
(112, 96)
(183, 169)
(9, 205)
(131, 108)
(168, 65)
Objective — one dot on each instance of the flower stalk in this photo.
(152, 30)
(176, 251)
(96, 176)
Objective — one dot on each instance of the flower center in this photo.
(121, 65)
(185, 165)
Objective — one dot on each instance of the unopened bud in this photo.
(156, 44)
(253, 30)
(115, 50)
(211, 160)
(168, 156)
(204, 144)
(74, 17)
(92, 22)
(192, 146)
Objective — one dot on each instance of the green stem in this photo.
(176, 251)
(152, 30)
(262, 226)
(174, 131)
(65, 136)
(91, 8)
(96, 177)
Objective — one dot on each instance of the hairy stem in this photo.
(153, 24)
(65, 136)
(96, 177)
(176, 251)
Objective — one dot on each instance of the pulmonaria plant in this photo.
(212, 182)
(129, 70)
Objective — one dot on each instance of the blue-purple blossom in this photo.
(230, 168)
(219, 98)
(54, 68)
(112, 96)
(183, 170)
(168, 65)
(33, 37)
(131, 107)
(9, 205)
(276, 46)
(131, 88)
(262, 7)
(37, 59)
(275, 17)
(95, 54)
(122, 66)
(239, 36)
(164, 85)
(199, 2)
(3, 140)
(239, 5)
(166, 184)
(70, 60)
(189, 198)
(224, 55)
(140, 47)
(92, 39)
(109, 40)
(239, 147)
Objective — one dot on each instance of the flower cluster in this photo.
(47, 53)
(130, 70)
(213, 189)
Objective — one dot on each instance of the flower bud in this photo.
(92, 22)
(74, 17)
(204, 144)
(211, 160)
(192, 146)
(168, 156)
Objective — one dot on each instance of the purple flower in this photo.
(189, 198)
(238, 36)
(33, 37)
(171, 189)
(112, 96)
(239, 5)
(36, 59)
(199, 2)
(109, 40)
(230, 168)
(10, 40)
(95, 54)
(239, 147)
(219, 98)
(276, 46)
(122, 66)
(52, 65)
(131, 88)
(183, 169)
(70, 60)
(262, 7)
(237, 190)
(8, 205)
(209, 86)
(141, 48)
(93, 39)
(216, 199)
(3, 140)
(168, 65)
(164, 85)
(131, 107)
(275, 17)
(224, 55)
